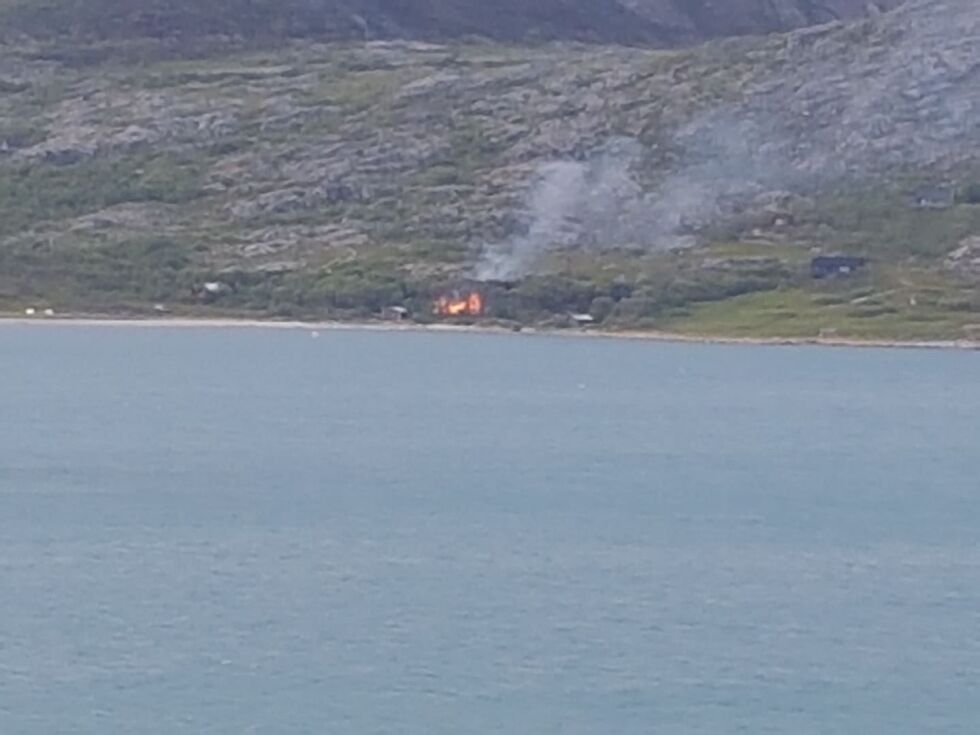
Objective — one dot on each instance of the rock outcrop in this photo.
(966, 258)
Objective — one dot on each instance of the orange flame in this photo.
(470, 304)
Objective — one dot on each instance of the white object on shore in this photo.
(30, 311)
(49, 312)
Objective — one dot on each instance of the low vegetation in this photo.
(32, 193)
(335, 180)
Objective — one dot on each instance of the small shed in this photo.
(215, 288)
(210, 291)
(582, 320)
(394, 313)
(935, 197)
(826, 266)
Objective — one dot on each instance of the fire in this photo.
(457, 304)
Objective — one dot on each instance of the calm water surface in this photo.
(254, 531)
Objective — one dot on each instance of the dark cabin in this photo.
(935, 197)
(826, 266)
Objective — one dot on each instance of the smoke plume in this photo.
(844, 103)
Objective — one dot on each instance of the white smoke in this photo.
(600, 203)
(899, 90)
(593, 203)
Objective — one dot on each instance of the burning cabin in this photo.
(460, 303)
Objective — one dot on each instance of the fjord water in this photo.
(255, 531)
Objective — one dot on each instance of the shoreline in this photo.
(443, 328)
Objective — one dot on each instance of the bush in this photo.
(959, 303)
(33, 193)
(556, 294)
(602, 307)
(969, 194)
(870, 311)
(357, 287)
(638, 307)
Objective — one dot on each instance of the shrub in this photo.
(556, 294)
(602, 307)
(870, 311)
(969, 193)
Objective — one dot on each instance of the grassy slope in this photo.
(909, 306)
(65, 239)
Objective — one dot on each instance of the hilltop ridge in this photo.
(641, 22)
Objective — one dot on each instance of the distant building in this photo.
(826, 266)
(216, 287)
(394, 313)
(935, 197)
(211, 290)
(582, 320)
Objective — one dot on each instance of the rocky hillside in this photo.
(621, 21)
(322, 178)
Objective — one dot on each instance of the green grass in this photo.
(885, 222)
(356, 92)
(34, 193)
(925, 308)
(20, 134)
(92, 274)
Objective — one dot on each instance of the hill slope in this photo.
(336, 178)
